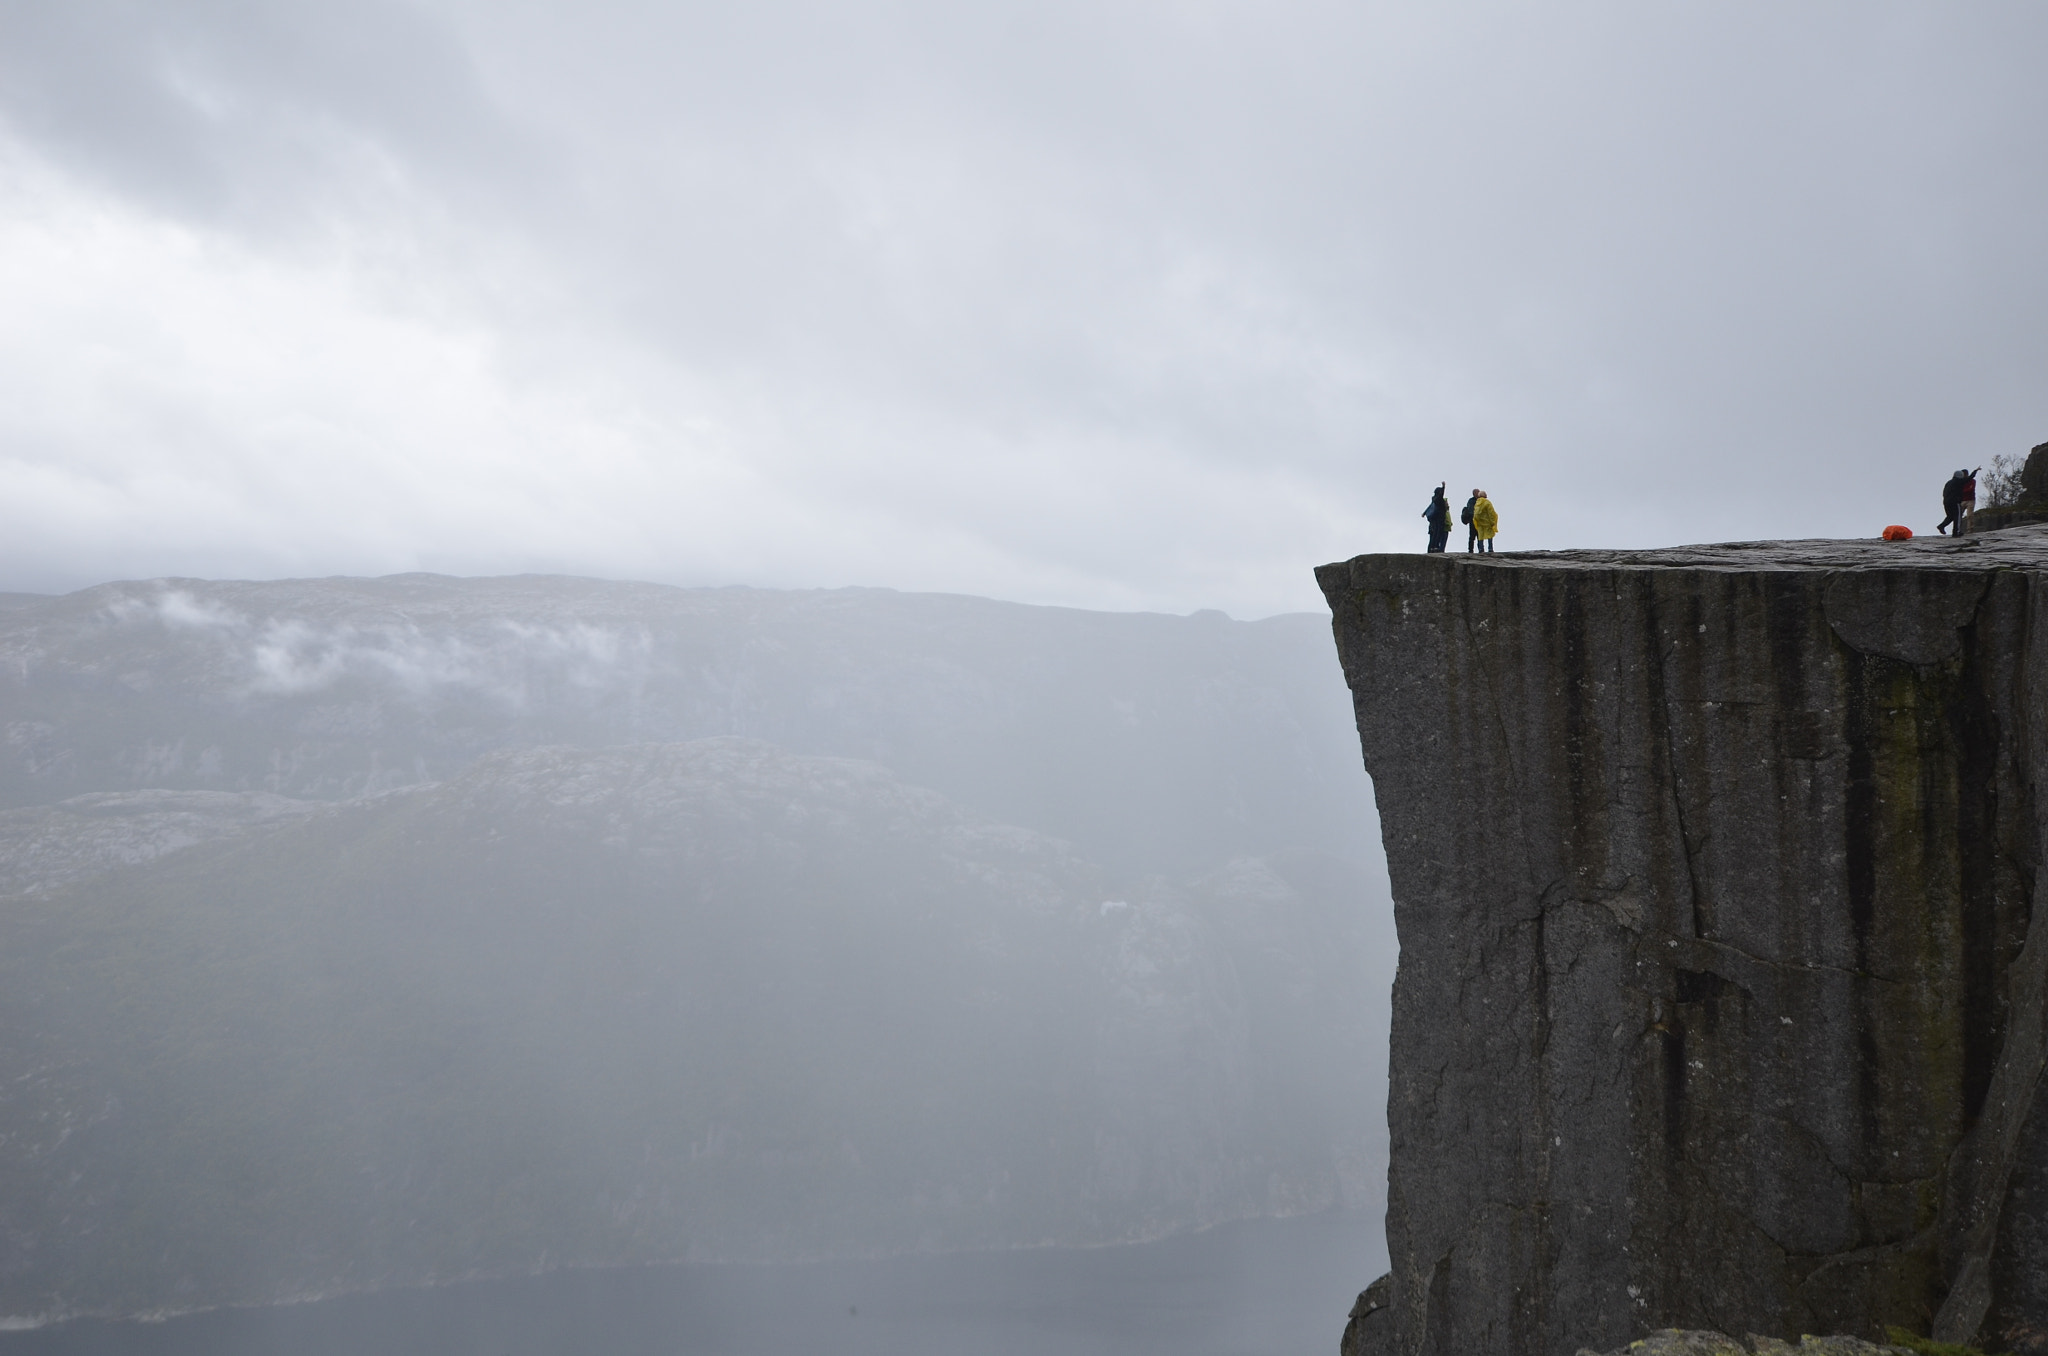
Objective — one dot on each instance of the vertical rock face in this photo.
(1721, 991)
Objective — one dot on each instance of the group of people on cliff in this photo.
(1958, 502)
(1481, 520)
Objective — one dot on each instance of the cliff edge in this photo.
(1722, 985)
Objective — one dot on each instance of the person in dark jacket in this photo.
(1439, 515)
(1958, 496)
(1465, 517)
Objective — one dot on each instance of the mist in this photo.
(1000, 966)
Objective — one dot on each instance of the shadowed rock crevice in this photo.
(1722, 988)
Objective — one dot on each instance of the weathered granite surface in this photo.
(1722, 985)
(1681, 1342)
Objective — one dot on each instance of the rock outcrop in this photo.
(1722, 986)
(2032, 504)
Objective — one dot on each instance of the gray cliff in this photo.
(1721, 990)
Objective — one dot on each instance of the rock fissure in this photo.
(1980, 1174)
(1723, 948)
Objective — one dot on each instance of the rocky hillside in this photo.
(1158, 742)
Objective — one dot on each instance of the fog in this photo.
(1112, 305)
(362, 935)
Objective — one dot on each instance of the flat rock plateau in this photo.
(1722, 976)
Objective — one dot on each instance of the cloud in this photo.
(501, 660)
(1125, 305)
(288, 656)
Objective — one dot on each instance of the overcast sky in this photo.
(1111, 304)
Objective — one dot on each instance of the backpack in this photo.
(1465, 513)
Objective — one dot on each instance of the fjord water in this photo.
(1258, 1288)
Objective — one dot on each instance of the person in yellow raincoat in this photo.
(1485, 519)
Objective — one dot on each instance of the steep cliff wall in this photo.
(1721, 993)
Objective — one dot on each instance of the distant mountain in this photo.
(1157, 742)
(374, 976)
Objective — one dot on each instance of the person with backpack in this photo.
(1485, 520)
(1958, 500)
(1471, 532)
(1439, 515)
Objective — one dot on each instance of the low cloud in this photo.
(1125, 306)
(291, 656)
(501, 660)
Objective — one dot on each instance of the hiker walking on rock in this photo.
(1439, 515)
(1959, 501)
(1485, 520)
(1465, 517)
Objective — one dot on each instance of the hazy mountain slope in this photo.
(46, 846)
(581, 1006)
(1155, 742)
